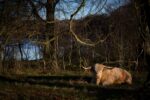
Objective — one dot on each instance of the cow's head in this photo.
(96, 68)
(87, 69)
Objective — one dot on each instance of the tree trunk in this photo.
(49, 51)
(20, 50)
(144, 11)
(50, 9)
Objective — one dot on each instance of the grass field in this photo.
(66, 86)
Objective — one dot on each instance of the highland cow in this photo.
(110, 75)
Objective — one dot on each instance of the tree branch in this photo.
(74, 34)
(56, 1)
(35, 11)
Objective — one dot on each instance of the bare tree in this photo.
(143, 8)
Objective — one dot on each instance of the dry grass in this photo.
(58, 86)
(38, 92)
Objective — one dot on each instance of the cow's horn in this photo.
(108, 67)
(86, 68)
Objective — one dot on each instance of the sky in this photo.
(65, 8)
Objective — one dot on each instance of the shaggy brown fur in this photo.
(111, 75)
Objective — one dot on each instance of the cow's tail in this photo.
(128, 77)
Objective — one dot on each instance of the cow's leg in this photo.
(98, 77)
(129, 80)
(97, 80)
(106, 83)
(109, 81)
